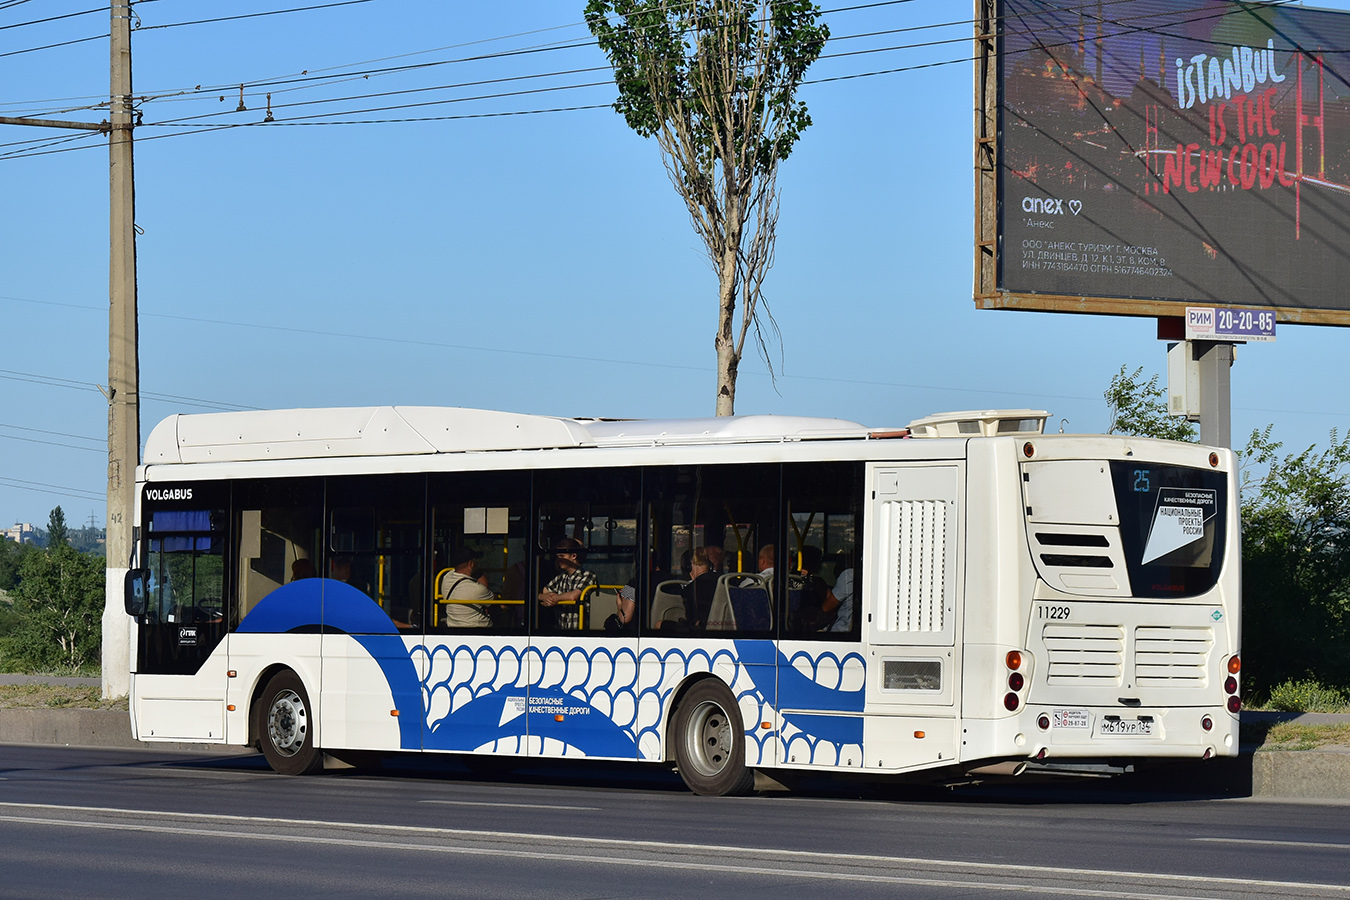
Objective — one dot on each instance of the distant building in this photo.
(22, 533)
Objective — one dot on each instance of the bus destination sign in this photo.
(1217, 323)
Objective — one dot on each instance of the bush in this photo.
(55, 622)
(1307, 695)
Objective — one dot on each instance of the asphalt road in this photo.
(84, 823)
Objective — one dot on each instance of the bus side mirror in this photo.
(134, 594)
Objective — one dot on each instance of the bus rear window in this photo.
(1172, 526)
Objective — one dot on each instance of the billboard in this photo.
(1142, 155)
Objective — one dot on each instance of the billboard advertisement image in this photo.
(1174, 151)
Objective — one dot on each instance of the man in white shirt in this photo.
(465, 592)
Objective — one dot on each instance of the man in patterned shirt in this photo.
(568, 585)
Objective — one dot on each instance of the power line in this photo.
(306, 80)
(78, 437)
(54, 18)
(97, 37)
(42, 487)
(15, 437)
(257, 15)
(72, 384)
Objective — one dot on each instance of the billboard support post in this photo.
(1216, 392)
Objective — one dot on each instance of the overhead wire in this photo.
(306, 80)
(73, 384)
(53, 18)
(43, 487)
(574, 107)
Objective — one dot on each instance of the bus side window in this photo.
(375, 540)
(278, 526)
(586, 545)
(712, 531)
(480, 570)
(823, 516)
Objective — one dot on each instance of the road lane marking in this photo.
(1266, 843)
(531, 849)
(630, 862)
(510, 805)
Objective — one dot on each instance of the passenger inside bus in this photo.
(464, 590)
(566, 587)
(698, 593)
(812, 606)
(843, 589)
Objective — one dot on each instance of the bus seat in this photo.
(667, 603)
(748, 600)
(721, 616)
(603, 604)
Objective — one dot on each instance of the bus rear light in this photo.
(1015, 681)
(1230, 685)
(1207, 723)
(1234, 704)
(1043, 722)
(1028, 450)
(1209, 751)
(1042, 754)
(1234, 664)
(1014, 659)
(1011, 702)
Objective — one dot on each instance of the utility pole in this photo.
(124, 412)
(123, 393)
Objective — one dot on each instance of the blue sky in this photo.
(536, 263)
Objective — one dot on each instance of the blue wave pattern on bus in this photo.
(469, 710)
(604, 709)
(314, 603)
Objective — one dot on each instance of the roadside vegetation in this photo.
(51, 614)
(55, 696)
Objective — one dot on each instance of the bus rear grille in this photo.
(1084, 654)
(1171, 656)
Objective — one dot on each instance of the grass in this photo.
(1307, 695)
(1296, 736)
(55, 696)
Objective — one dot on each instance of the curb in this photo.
(104, 728)
(1268, 774)
(1301, 774)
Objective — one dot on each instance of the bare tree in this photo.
(715, 82)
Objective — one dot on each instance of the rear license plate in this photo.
(1125, 726)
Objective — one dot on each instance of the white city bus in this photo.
(964, 595)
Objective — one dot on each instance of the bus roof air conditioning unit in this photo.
(980, 423)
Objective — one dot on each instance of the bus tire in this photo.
(710, 742)
(286, 726)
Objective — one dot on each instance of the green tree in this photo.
(11, 557)
(56, 617)
(1140, 408)
(57, 533)
(715, 82)
(1296, 562)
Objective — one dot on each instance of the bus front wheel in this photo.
(286, 727)
(710, 742)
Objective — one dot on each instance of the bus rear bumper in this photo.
(1058, 732)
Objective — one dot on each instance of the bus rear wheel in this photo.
(285, 726)
(710, 742)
